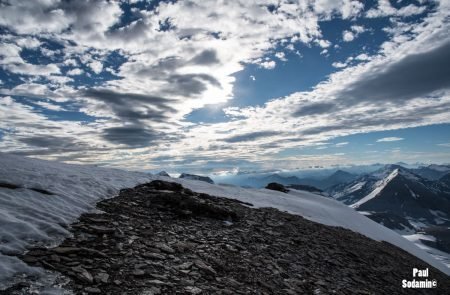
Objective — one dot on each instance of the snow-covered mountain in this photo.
(29, 217)
(396, 190)
(403, 201)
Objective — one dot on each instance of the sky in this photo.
(215, 86)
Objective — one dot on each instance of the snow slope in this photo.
(315, 208)
(29, 217)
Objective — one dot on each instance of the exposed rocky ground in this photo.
(160, 238)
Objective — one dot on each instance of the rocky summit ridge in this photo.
(161, 238)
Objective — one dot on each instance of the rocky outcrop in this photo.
(277, 187)
(196, 177)
(14, 186)
(161, 238)
(163, 173)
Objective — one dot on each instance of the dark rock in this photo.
(139, 272)
(102, 278)
(9, 185)
(196, 177)
(66, 250)
(153, 255)
(164, 248)
(42, 191)
(203, 266)
(163, 173)
(92, 290)
(83, 275)
(277, 187)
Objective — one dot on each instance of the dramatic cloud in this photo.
(250, 136)
(314, 109)
(413, 76)
(130, 135)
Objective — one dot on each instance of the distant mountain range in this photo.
(335, 178)
(398, 190)
(413, 200)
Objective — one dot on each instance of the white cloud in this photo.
(268, 65)
(31, 69)
(446, 144)
(358, 29)
(49, 106)
(27, 42)
(323, 43)
(341, 144)
(75, 72)
(353, 33)
(339, 65)
(252, 78)
(96, 66)
(281, 56)
(348, 36)
(348, 9)
(70, 62)
(384, 8)
(389, 139)
(363, 56)
(11, 60)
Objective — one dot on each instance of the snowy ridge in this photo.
(379, 186)
(29, 217)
